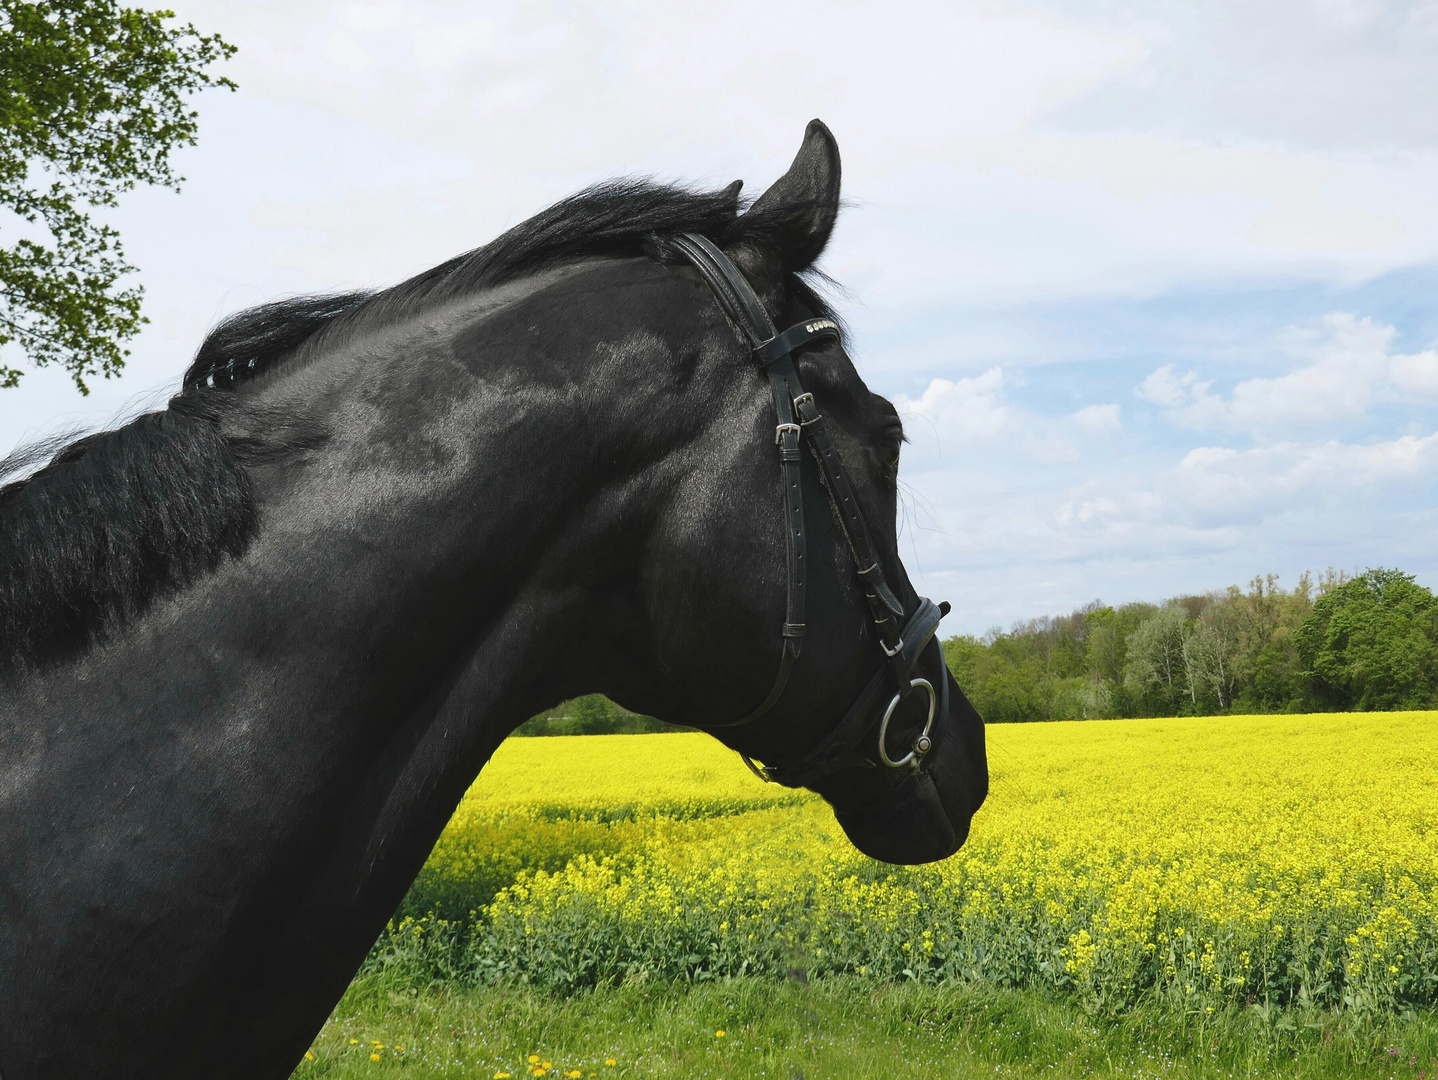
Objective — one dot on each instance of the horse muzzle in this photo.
(925, 815)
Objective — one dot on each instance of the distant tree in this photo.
(1154, 668)
(1365, 643)
(1104, 656)
(1211, 655)
(1371, 642)
(593, 714)
(1095, 698)
(1001, 682)
(93, 99)
(967, 658)
(1267, 663)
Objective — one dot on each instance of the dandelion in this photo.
(375, 1056)
(501, 1075)
(534, 1059)
(354, 1042)
(719, 1034)
(610, 1061)
(309, 1055)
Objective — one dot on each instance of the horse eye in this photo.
(892, 443)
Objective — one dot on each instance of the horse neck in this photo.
(477, 478)
(263, 759)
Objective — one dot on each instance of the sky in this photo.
(1154, 284)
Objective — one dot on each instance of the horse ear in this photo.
(794, 218)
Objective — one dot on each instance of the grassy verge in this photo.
(834, 1028)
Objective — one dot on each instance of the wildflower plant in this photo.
(1278, 860)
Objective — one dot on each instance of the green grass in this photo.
(836, 1028)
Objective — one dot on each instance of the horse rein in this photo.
(799, 419)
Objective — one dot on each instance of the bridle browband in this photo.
(798, 418)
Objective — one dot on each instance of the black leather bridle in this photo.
(799, 419)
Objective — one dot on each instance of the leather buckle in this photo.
(781, 428)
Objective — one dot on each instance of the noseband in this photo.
(799, 419)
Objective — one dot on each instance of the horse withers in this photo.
(257, 646)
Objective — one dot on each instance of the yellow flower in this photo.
(719, 1034)
(374, 1057)
(354, 1042)
(546, 1065)
(1159, 854)
(309, 1055)
(501, 1076)
(533, 1059)
(610, 1061)
(572, 1073)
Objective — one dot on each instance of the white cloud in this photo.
(1186, 397)
(1271, 478)
(1086, 510)
(1417, 372)
(1322, 75)
(1350, 368)
(1171, 391)
(1098, 419)
(954, 412)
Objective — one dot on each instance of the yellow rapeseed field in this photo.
(1278, 859)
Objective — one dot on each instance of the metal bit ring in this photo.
(922, 742)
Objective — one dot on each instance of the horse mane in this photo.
(115, 519)
(617, 218)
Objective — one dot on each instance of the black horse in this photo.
(256, 646)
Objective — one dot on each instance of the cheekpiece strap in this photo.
(738, 300)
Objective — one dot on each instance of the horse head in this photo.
(721, 572)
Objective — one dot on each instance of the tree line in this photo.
(1341, 643)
